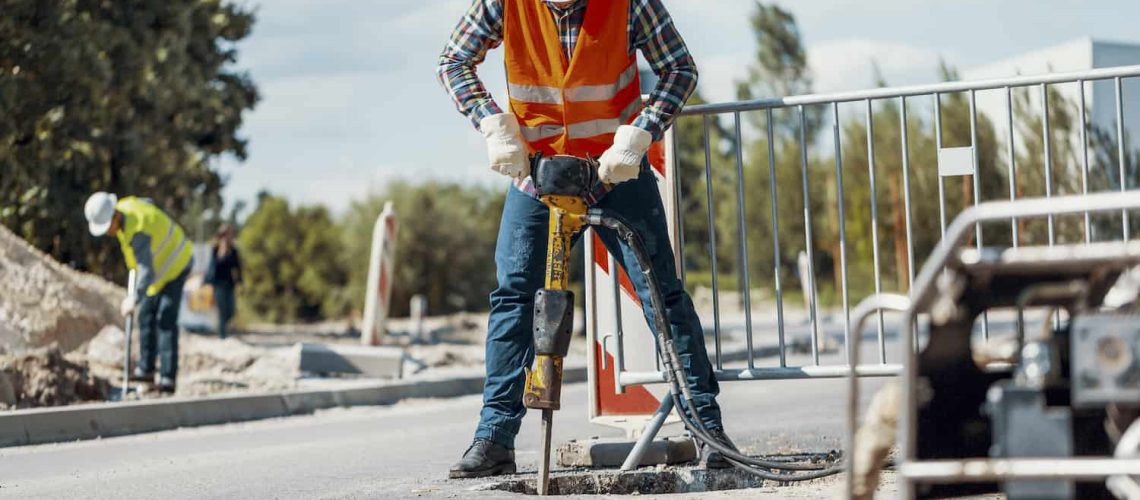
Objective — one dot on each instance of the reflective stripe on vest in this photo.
(587, 93)
(165, 240)
(583, 129)
(169, 247)
(535, 93)
(570, 105)
(170, 261)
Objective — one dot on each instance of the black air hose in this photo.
(675, 374)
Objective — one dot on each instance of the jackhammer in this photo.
(563, 184)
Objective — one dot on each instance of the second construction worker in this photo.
(156, 247)
(572, 79)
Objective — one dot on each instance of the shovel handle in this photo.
(127, 339)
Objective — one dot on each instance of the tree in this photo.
(293, 267)
(128, 97)
(690, 136)
(1105, 175)
(781, 66)
(924, 179)
(445, 244)
(780, 69)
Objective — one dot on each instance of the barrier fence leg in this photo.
(648, 435)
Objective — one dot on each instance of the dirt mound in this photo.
(43, 302)
(209, 365)
(206, 365)
(44, 377)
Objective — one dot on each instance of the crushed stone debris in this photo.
(43, 302)
(46, 377)
(206, 365)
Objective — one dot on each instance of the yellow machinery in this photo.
(562, 183)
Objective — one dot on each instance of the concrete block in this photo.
(370, 395)
(300, 402)
(194, 412)
(12, 431)
(233, 408)
(445, 388)
(49, 425)
(611, 452)
(379, 362)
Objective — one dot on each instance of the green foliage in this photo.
(690, 136)
(292, 263)
(781, 66)
(445, 244)
(780, 70)
(1106, 174)
(782, 161)
(129, 97)
(888, 191)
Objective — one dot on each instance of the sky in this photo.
(350, 100)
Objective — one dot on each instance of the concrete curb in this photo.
(92, 421)
(99, 420)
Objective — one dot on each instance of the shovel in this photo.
(127, 340)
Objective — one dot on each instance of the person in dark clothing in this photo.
(224, 274)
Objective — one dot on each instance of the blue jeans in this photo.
(225, 301)
(520, 260)
(158, 324)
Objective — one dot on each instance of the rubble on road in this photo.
(206, 365)
(45, 377)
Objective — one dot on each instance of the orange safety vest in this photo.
(571, 106)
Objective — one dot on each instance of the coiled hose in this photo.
(676, 377)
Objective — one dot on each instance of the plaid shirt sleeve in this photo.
(654, 34)
(480, 30)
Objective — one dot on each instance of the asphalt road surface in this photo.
(395, 451)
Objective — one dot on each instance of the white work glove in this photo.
(128, 306)
(622, 161)
(505, 147)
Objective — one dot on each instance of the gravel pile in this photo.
(43, 302)
(45, 377)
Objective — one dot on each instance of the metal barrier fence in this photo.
(951, 162)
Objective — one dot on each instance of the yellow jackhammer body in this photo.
(562, 183)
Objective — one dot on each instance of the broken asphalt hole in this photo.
(641, 482)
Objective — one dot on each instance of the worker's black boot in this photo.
(138, 375)
(166, 385)
(712, 459)
(484, 458)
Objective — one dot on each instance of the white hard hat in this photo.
(100, 211)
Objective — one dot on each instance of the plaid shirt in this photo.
(651, 31)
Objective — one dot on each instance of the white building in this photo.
(1076, 55)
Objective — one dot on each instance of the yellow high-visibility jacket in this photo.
(153, 244)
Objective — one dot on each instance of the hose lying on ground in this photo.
(676, 377)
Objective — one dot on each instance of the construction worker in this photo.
(573, 84)
(157, 249)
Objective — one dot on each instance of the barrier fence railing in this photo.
(1030, 163)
